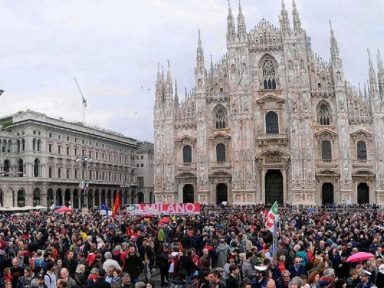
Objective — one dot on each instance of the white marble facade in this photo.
(270, 121)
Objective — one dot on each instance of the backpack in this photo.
(39, 262)
(50, 279)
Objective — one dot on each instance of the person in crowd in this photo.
(70, 263)
(365, 281)
(133, 264)
(163, 263)
(100, 282)
(297, 269)
(215, 279)
(65, 279)
(126, 281)
(313, 279)
(80, 277)
(50, 278)
(233, 279)
(110, 262)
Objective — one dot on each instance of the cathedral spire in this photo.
(231, 33)
(159, 84)
(365, 91)
(158, 73)
(176, 99)
(168, 82)
(296, 18)
(284, 19)
(241, 28)
(372, 77)
(335, 53)
(199, 53)
(200, 72)
(169, 77)
(380, 74)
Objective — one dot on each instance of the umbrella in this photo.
(64, 209)
(360, 256)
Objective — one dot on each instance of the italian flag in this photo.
(272, 217)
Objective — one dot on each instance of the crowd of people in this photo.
(224, 246)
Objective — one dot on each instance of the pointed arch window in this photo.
(361, 149)
(34, 144)
(187, 154)
(269, 74)
(324, 115)
(272, 123)
(220, 152)
(220, 117)
(326, 150)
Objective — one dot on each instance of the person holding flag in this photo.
(270, 223)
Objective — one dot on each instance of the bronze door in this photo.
(274, 187)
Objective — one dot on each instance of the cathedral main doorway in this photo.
(221, 193)
(274, 187)
(327, 194)
(362, 193)
(188, 194)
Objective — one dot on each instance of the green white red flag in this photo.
(272, 218)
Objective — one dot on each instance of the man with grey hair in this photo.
(65, 279)
(110, 262)
(296, 282)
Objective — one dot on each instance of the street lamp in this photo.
(85, 160)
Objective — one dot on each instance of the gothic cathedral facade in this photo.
(271, 121)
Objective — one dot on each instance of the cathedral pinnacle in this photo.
(199, 52)
(241, 28)
(371, 69)
(372, 76)
(380, 74)
(335, 53)
(158, 73)
(231, 33)
(380, 65)
(284, 20)
(176, 99)
(169, 77)
(296, 18)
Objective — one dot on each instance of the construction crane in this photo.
(83, 100)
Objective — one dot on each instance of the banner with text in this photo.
(164, 208)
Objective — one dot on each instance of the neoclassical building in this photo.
(43, 160)
(270, 121)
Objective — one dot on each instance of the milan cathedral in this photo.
(270, 121)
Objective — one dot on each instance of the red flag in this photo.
(116, 204)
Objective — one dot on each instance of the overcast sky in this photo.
(112, 47)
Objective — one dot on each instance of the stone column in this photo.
(285, 184)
